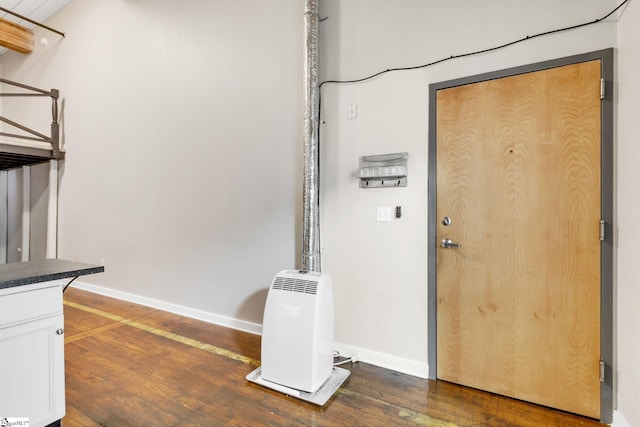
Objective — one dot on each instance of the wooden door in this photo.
(518, 174)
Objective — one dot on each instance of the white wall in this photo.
(628, 214)
(380, 269)
(182, 123)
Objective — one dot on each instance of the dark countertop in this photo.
(30, 272)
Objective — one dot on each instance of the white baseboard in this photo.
(205, 316)
(382, 360)
(619, 420)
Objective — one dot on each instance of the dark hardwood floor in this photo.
(129, 365)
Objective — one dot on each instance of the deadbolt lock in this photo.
(446, 221)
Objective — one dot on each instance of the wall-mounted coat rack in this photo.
(383, 170)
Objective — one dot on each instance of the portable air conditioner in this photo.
(297, 330)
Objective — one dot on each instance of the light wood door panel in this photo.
(518, 173)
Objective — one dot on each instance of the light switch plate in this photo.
(352, 111)
(383, 214)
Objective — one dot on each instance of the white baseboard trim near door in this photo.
(619, 420)
(383, 360)
(205, 316)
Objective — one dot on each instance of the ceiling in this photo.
(37, 10)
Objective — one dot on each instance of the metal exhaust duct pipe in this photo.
(311, 193)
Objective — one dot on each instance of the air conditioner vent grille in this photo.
(295, 285)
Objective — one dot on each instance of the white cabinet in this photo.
(32, 353)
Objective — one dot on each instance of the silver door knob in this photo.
(447, 243)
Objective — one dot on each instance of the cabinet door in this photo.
(32, 371)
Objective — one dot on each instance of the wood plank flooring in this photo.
(129, 365)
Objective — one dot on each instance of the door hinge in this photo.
(602, 88)
(602, 230)
(601, 371)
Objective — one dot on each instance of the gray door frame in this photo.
(607, 214)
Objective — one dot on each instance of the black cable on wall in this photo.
(478, 52)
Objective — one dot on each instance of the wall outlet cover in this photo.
(383, 214)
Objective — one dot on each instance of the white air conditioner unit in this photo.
(297, 330)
